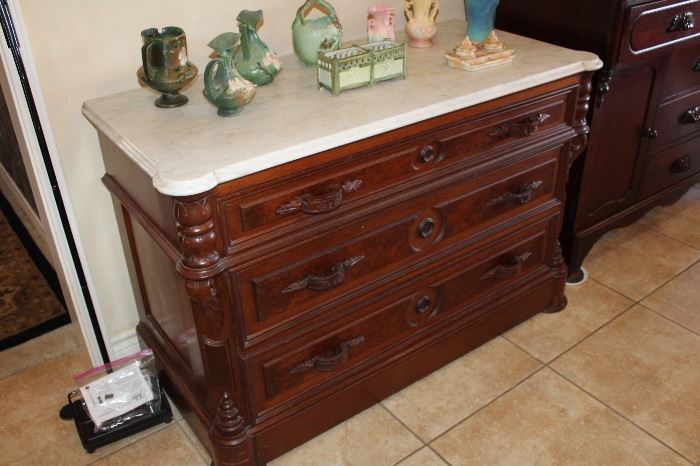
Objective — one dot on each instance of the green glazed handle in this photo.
(322, 6)
(209, 85)
(144, 57)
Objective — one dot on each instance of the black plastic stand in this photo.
(92, 440)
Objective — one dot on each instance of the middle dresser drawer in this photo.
(309, 280)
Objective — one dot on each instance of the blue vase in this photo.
(481, 16)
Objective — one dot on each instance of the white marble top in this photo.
(189, 150)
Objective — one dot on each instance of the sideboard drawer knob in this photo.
(428, 154)
(681, 165)
(651, 133)
(682, 22)
(426, 228)
(691, 116)
(424, 304)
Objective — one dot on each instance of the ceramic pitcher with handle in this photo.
(313, 35)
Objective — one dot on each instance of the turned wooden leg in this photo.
(230, 438)
(560, 271)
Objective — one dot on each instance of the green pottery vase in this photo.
(321, 34)
(253, 59)
(223, 84)
(165, 65)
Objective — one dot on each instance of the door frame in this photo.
(65, 263)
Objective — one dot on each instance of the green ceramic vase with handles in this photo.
(253, 59)
(313, 35)
(223, 84)
(165, 65)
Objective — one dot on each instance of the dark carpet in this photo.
(29, 304)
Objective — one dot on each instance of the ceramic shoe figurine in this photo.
(322, 34)
(253, 59)
(481, 48)
(223, 84)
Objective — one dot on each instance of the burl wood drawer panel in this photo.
(314, 196)
(380, 324)
(658, 24)
(677, 119)
(684, 71)
(669, 167)
(364, 252)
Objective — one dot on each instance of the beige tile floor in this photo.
(612, 380)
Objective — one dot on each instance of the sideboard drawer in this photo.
(677, 119)
(315, 196)
(684, 71)
(669, 167)
(658, 24)
(379, 324)
(298, 281)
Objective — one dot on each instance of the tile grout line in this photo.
(662, 233)
(627, 309)
(621, 415)
(404, 425)
(410, 454)
(669, 319)
(439, 455)
(486, 405)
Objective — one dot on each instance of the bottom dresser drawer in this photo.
(671, 166)
(383, 323)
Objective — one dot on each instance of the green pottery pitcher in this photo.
(321, 34)
(223, 84)
(253, 59)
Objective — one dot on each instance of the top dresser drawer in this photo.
(658, 24)
(315, 195)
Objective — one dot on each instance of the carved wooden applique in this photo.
(580, 141)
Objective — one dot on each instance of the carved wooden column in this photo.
(575, 148)
(201, 266)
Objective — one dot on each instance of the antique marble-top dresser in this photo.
(297, 263)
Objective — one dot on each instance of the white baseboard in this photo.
(124, 344)
(29, 218)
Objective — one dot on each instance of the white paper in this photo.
(116, 393)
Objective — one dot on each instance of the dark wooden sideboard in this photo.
(645, 113)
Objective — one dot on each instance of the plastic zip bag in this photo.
(121, 391)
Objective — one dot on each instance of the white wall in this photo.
(85, 49)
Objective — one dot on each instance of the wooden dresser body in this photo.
(283, 302)
(645, 114)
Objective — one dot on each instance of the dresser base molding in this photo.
(281, 434)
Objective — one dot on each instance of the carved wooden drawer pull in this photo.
(522, 128)
(692, 116)
(696, 66)
(682, 22)
(522, 195)
(320, 204)
(681, 165)
(327, 282)
(328, 362)
(510, 270)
